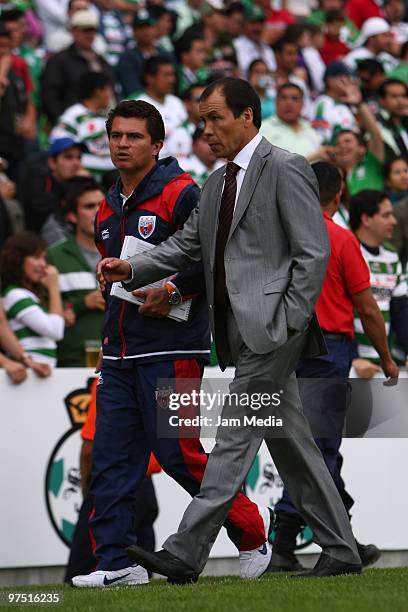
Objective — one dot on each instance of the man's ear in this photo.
(248, 116)
(157, 147)
(71, 217)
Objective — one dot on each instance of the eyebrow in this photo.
(117, 133)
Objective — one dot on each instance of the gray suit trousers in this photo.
(296, 456)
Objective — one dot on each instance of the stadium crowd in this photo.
(332, 77)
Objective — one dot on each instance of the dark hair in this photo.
(233, 7)
(389, 164)
(14, 251)
(334, 15)
(12, 14)
(358, 136)
(152, 65)
(366, 202)
(370, 65)
(404, 50)
(238, 95)
(138, 109)
(284, 40)
(252, 65)
(91, 81)
(289, 85)
(74, 188)
(187, 94)
(382, 90)
(184, 44)
(4, 31)
(329, 179)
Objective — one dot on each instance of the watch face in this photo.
(174, 298)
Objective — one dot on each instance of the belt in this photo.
(336, 337)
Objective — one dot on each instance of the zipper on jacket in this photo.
(122, 309)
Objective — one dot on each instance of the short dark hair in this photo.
(388, 165)
(382, 90)
(334, 15)
(4, 33)
(329, 179)
(371, 65)
(11, 14)
(187, 94)
(357, 135)
(75, 187)
(152, 65)
(139, 109)
(184, 44)
(366, 202)
(14, 251)
(282, 42)
(254, 63)
(91, 81)
(238, 95)
(289, 85)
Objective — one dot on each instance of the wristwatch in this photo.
(174, 294)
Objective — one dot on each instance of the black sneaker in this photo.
(284, 563)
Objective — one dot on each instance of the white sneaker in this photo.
(253, 563)
(136, 574)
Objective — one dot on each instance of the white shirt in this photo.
(247, 51)
(242, 160)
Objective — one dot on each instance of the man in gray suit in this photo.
(260, 235)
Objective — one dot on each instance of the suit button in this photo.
(210, 306)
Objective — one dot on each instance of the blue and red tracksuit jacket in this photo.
(158, 207)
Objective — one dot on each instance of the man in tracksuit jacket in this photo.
(151, 200)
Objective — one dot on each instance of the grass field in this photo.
(382, 590)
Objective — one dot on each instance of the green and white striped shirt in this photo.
(387, 281)
(82, 125)
(37, 330)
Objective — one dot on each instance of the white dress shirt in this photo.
(242, 160)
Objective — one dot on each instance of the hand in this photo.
(42, 370)
(112, 270)
(365, 368)
(50, 279)
(156, 302)
(323, 153)
(94, 300)
(351, 93)
(99, 362)
(16, 372)
(391, 371)
(69, 316)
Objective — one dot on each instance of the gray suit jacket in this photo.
(276, 254)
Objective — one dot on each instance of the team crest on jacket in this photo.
(147, 223)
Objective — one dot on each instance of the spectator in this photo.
(393, 119)
(159, 79)
(361, 164)
(165, 24)
(277, 20)
(75, 259)
(202, 162)
(371, 74)
(85, 122)
(286, 55)
(250, 46)
(260, 79)
(61, 38)
(309, 64)
(191, 55)
(234, 20)
(112, 29)
(211, 26)
(334, 48)
(18, 360)
(13, 105)
(372, 220)
(360, 11)
(179, 143)
(400, 234)
(332, 109)
(15, 213)
(37, 318)
(63, 71)
(394, 11)
(288, 130)
(42, 183)
(187, 13)
(396, 179)
(349, 31)
(130, 64)
(374, 42)
(400, 71)
(53, 15)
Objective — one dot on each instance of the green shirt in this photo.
(76, 281)
(366, 174)
(349, 31)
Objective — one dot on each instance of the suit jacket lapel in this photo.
(251, 178)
